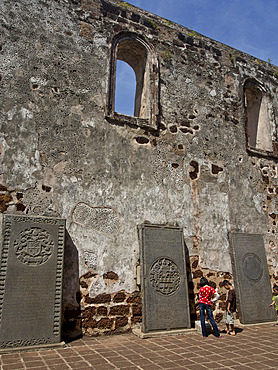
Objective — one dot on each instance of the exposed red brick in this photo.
(197, 274)
(102, 310)
(89, 312)
(119, 310)
(136, 319)
(20, 207)
(135, 298)
(137, 310)
(101, 298)
(194, 264)
(89, 323)
(119, 297)
(105, 323)
(120, 322)
(4, 200)
(210, 274)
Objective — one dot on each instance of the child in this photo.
(275, 298)
(230, 307)
(206, 292)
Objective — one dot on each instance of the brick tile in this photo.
(59, 367)
(17, 366)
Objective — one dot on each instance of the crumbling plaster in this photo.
(58, 149)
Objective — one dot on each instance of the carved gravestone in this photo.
(164, 279)
(31, 268)
(251, 276)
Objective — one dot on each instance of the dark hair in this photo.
(226, 282)
(203, 282)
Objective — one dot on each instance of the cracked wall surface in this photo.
(62, 156)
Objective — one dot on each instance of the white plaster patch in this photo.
(11, 113)
(100, 41)
(187, 80)
(38, 81)
(73, 179)
(257, 199)
(90, 123)
(26, 114)
(213, 93)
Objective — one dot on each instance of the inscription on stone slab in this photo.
(165, 289)
(31, 268)
(252, 281)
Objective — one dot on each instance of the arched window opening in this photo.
(258, 115)
(135, 54)
(125, 88)
(130, 49)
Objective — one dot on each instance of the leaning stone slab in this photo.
(31, 269)
(251, 277)
(164, 279)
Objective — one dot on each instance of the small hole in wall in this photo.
(35, 86)
(55, 90)
(194, 173)
(180, 147)
(240, 159)
(142, 140)
(1, 48)
(196, 128)
(173, 129)
(69, 33)
(216, 169)
(186, 130)
(175, 165)
(46, 188)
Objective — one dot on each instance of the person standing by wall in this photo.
(230, 307)
(206, 292)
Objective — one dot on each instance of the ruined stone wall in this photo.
(63, 155)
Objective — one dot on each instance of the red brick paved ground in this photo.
(255, 347)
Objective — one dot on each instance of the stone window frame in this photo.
(148, 72)
(266, 104)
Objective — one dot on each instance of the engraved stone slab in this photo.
(31, 268)
(251, 275)
(165, 289)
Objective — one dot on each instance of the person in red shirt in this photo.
(206, 293)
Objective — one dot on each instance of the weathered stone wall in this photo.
(62, 156)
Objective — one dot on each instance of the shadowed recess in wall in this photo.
(104, 220)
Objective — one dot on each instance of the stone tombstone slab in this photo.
(164, 279)
(31, 268)
(251, 277)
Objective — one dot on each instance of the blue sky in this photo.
(247, 25)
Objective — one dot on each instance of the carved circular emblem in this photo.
(165, 276)
(34, 246)
(252, 266)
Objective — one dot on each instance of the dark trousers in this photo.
(202, 308)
